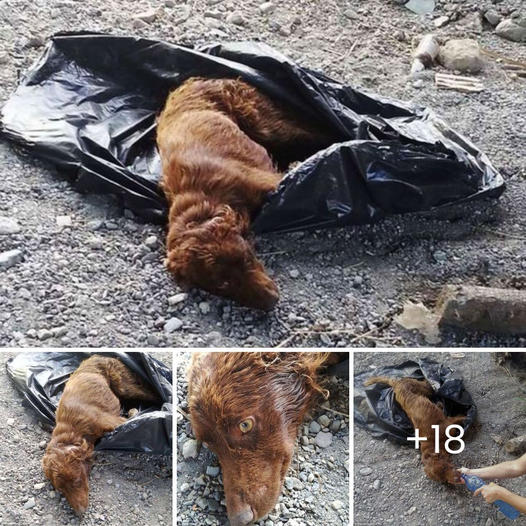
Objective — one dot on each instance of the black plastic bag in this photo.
(41, 377)
(376, 409)
(89, 105)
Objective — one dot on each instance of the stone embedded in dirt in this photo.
(10, 421)
(294, 273)
(146, 16)
(323, 439)
(337, 504)
(4, 57)
(441, 21)
(493, 17)
(335, 426)
(235, 18)
(95, 243)
(153, 340)
(30, 503)
(44, 334)
(190, 448)
(185, 487)
(64, 221)
(376, 484)
(204, 307)
(365, 471)
(461, 55)
(39, 486)
(486, 309)
(172, 325)
(511, 30)
(10, 258)
(177, 298)
(201, 502)
(8, 226)
(472, 22)
(266, 7)
(516, 446)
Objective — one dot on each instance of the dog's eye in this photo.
(246, 425)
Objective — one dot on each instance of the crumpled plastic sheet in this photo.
(42, 376)
(376, 410)
(89, 106)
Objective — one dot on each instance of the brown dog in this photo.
(212, 136)
(247, 407)
(89, 407)
(413, 396)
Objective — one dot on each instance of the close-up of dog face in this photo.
(217, 257)
(247, 407)
(68, 467)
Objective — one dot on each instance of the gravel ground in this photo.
(100, 281)
(125, 488)
(389, 484)
(316, 489)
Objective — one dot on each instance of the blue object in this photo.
(473, 483)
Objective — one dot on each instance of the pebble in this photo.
(411, 510)
(201, 502)
(419, 83)
(365, 471)
(44, 334)
(172, 325)
(10, 258)
(266, 7)
(95, 243)
(204, 307)
(294, 273)
(185, 487)
(314, 427)
(39, 486)
(146, 16)
(323, 440)
(95, 224)
(153, 340)
(190, 448)
(324, 421)
(235, 18)
(30, 503)
(441, 21)
(64, 221)
(440, 256)
(493, 17)
(4, 57)
(10, 421)
(376, 484)
(337, 504)
(212, 471)
(151, 242)
(8, 226)
(177, 298)
(335, 426)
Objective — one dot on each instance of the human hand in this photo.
(463, 471)
(490, 492)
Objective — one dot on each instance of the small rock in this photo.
(212, 471)
(95, 243)
(419, 83)
(335, 426)
(235, 18)
(357, 281)
(323, 440)
(151, 242)
(441, 21)
(266, 7)
(35, 41)
(411, 510)
(314, 427)
(493, 17)
(461, 55)
(510, 30)
(177, 298)
(95, 224)
(204, 307)
(201, 502)
(376, 484)
(439, 256)
(153, 340)
(337, 504)
(8, 226)
(4, 57)
(44, 334)
(10, 421)
(146, 16)
(185, 487)
(30, 503)
(172, 325)
(365, 471)
(39, 486)
(294, 273)
(324, 420)
(64, 221)
(10, 258)
(190, 448)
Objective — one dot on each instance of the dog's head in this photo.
(67, 466)
(216, 255)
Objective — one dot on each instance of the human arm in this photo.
(492, 492)
(504, 470)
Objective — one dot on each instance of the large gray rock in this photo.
(462, 55)
(512, 30)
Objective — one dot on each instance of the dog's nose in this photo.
(242, 518)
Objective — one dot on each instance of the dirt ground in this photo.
(395, 490)
(101, 281)
(125, 488)
(320, 492)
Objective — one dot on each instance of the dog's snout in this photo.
(242, 518)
